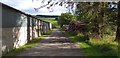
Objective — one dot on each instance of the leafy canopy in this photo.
(65, 18)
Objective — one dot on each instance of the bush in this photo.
(65, 18)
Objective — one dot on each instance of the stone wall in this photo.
(19, 28)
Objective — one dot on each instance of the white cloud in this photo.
(28, 6)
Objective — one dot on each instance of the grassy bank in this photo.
(95, 48)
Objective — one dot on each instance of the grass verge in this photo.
(95, 48)
(17, 51)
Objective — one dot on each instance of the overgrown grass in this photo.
(95, 48)
(17, 51)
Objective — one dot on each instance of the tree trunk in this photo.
(118, 24)
(96, 30)
(118, 33)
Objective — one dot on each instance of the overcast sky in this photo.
(28, 6)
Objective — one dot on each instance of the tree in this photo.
(118, 23)
(69, 4)
(97, 16)
(65, 18)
